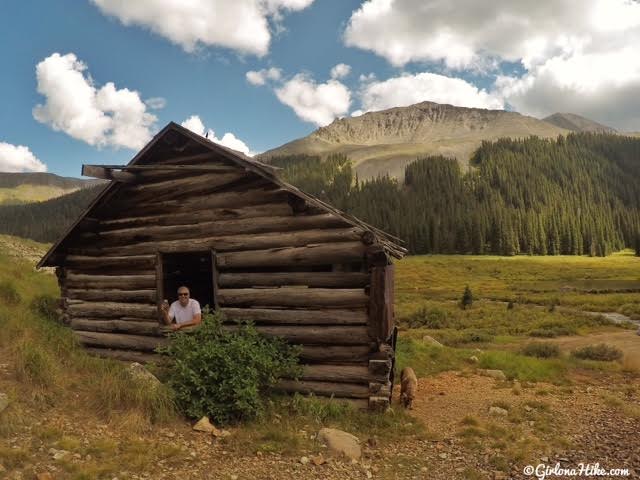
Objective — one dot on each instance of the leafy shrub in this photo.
(429, 318)
(9, 293)
(225, 374)
(541, 350)
(551, 329)
(45, 306)
(601, 352)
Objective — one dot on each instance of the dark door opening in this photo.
(191, 269)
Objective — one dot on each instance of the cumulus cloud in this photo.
(409, 89)
(260, 77)
(601, 86)
(101, 117)
(318, 103)
(241, 25)
(18, 158)
(581, 60)
(463, 33)
(341, 70)
(195, 124)
(156, 103)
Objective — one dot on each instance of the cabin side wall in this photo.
(297, 272)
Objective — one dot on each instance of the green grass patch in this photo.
(541, 350)
(523, 368)
(600, 352)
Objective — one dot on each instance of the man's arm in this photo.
(197, 319)
(164, 309)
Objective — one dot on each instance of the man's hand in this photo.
(165, 306)
(175, 326)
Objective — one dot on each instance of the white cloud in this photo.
(18, 158)
(409, 89)
(341, 70)
(241, 25)
(468, 33)
(156, 103)
(194, 123)
(602, 86)
(260, 77)
(99, 117)
(319, 103)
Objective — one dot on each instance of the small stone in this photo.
(443, 455)
(369, 474)
(544, 459)
(234, 477)
(304, 460)
(139, 373)
(498, 411)
(424, 469)
(204, 425)
(473, 359)
(528, 408)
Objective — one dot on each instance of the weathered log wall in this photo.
(295, 272)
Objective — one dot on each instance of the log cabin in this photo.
(189, 211)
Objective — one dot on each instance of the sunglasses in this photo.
(183, 294)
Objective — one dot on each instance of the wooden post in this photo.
(214, 274)
(159, 286)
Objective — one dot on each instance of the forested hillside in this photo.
(578, 194)
(45, 221)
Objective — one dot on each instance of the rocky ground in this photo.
(477, 427)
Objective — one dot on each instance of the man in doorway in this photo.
(185, 311)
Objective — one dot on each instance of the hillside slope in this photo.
(576, 123)
(386, 141)
(17, 188)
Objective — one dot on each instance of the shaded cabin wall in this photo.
(297, 272)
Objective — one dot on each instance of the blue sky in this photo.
(394, 52)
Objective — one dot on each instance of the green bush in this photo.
(9, 293)
(226, 374)
(601, 352)
(45, 305)
(429, 318)
(541, 350)
(551, 329)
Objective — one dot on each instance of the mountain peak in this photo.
(577, 123)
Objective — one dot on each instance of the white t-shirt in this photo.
(184, 314)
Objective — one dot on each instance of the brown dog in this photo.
(408, 387)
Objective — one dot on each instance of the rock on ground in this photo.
(140, 373)
(497, 374)
(341, 443)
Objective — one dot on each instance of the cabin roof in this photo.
(387, 241)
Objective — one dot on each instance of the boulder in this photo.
(205, 425)
(431, 341)
(341, 443)
(141, 374)
(497, 374)
(4, 401)
(474, 359)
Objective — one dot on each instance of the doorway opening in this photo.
(194, 270)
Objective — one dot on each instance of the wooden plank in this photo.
(119, 340)
(221, 228)
(132, 262)
(198, 215)
(112, 310)
(297, 317)
(106, 173)
(121, 282)
(293, 297)
(381, 302)
(235, 243)
(328, 389)
(314, 335)
(160, 293)
(125, 355)
(98, 295)
(322, 254)
(340, 374)
(214, 280)
(310, 279)
(118, 326)
(336, 353)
